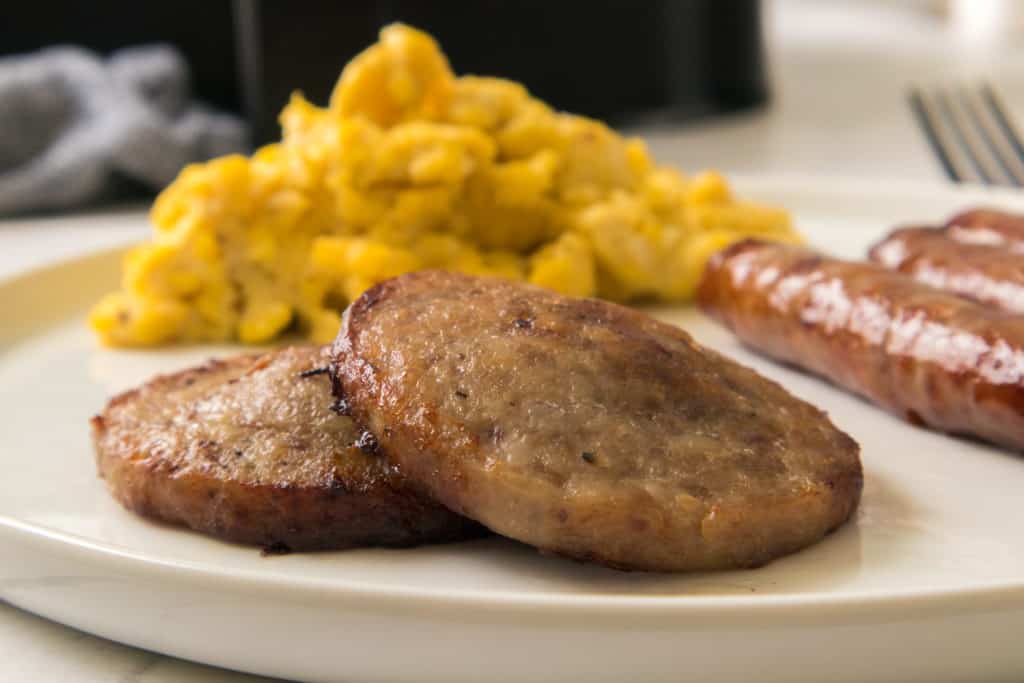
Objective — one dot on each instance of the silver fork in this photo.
(971, 133)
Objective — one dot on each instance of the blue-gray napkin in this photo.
(74, 125)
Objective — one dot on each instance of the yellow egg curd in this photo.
(411, 167)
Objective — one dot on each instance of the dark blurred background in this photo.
(621, 60)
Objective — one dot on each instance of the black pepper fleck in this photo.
(313, 372)
(588, 457)
(367, 443)
(496, 433)
(461, 394)
(341, 406)
(524, 323)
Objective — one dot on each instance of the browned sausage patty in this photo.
(588, 429)
(988, 274)
(929, 356)
(247, 449)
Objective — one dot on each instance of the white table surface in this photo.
(840, 73)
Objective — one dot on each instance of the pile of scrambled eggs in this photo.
(410, 167)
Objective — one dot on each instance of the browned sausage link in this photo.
(989, 227)
(929, 356)
(991, 275)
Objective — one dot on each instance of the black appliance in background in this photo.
(625, 61)
(203, 31)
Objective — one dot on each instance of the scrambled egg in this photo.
(410, 167)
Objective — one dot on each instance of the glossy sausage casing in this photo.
(988, 227)
(988, 274)
(932, 357)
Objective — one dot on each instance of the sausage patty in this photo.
(247, 449)
(926, 355)
(588, 429)
(988, 274)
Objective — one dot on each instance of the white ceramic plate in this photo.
(926, 583)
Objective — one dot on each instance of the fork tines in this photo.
(971, 133)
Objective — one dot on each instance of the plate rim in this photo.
(809, 609)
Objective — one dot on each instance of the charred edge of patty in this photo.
(414, 513)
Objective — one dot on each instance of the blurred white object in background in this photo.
(987, 23)
(840, 73)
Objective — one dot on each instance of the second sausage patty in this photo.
(588, 429)
(248, 449)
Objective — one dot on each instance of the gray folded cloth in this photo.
(73, 125)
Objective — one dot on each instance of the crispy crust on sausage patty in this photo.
(587, 429)
(247, 449)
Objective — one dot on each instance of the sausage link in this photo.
(931, 357)
(989, 227)
(987, 274)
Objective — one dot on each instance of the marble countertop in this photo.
(840, 74)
